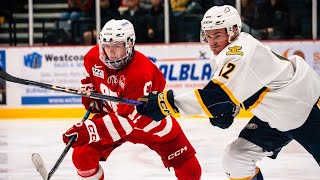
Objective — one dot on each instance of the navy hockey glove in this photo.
(157, 105)
(224, 121)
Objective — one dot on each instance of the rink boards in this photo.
(184, 66)
(62, 113)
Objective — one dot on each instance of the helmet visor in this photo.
(115, 55)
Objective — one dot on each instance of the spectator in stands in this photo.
(300, 14)
(279, 18)
(178, 7)
(7, 9)
(146, 4)
(248, 14)
(137, 16)
(156, 22)
(181, 7)
(77, 9)
(108, 10)
(187, 15)
(265, 19)
(207, 4)
(70, 26)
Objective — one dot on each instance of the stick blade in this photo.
(39, 164)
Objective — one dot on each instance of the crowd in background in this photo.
(264, 19)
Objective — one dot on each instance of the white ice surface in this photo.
(20, 138)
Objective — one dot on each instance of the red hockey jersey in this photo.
(139, 77)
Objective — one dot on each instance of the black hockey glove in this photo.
(224, 121)
(157, 105)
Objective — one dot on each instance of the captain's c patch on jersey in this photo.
(235, 50)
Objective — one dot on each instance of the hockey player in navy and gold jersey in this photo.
(282, 93)
(114, 68)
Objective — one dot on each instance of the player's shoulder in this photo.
(92, 56)
(242, 48)
(142, 62)
(140, 56)
(140, 67)
(93, 52)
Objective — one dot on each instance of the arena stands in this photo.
(281, 20)
(14, 31)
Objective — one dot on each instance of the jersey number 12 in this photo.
(229, 68)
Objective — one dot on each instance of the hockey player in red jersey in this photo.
(114, 68)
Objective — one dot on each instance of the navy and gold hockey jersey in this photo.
(280, 91)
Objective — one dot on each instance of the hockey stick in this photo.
(38, 162)
(4, 75)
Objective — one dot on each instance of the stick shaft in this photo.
(4, 75)
(68, 146)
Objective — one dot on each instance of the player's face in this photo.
(115, 50)
(217, 39)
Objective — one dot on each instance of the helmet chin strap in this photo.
(233, 36)
(124, 60)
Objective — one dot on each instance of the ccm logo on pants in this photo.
(177, 153)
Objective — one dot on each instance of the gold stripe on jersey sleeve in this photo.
(259, 100)
(204, 108)
(226, 89)
(172, 111)
(318, 103)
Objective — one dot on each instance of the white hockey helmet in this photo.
(117, 31)
(219, 17)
